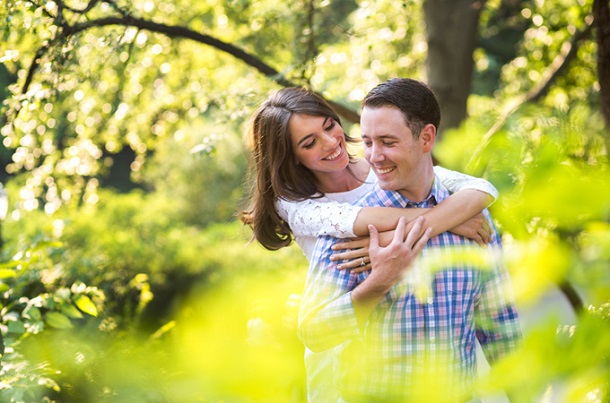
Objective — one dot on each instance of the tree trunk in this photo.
(601, 14)
(451, 32)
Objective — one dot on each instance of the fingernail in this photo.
(339, 267)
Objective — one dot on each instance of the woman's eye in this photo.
(330, 126)
(309, 145)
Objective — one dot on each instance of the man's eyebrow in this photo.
(304, 138)
(382, 137)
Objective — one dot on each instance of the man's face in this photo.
(396, 157)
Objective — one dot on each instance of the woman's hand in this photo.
(357, 251)
(476, 228)
(356, 255)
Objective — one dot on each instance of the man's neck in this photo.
(421, 186)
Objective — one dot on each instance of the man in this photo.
(403, 344)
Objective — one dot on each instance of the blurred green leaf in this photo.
(71, 311)
(85, 304)
(58, 320)
(32, 313)
(7, 273)
(16, 326)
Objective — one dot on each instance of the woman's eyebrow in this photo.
(304, 138)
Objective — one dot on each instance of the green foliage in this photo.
(191, 312)
(235, 342)
(552, 172)
(545, 43)
(564, 362)
(34, 301)
(195, 284)
(133, 246)
(202, 173)
(125, 242)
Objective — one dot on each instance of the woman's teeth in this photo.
(334, 155)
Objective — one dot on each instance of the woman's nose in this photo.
(329, 141)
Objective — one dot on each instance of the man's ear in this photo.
(427, 137)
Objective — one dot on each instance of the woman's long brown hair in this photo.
(275, 170)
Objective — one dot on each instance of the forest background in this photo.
(125, 275)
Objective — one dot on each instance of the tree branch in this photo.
(173, 31)
(557, 67)
(601, 13)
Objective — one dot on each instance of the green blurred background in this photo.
(125, 275)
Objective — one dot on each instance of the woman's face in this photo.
(318, 143)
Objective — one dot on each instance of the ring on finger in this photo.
(362, 263)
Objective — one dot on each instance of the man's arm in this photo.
(389, 265)
(335, 305)
(326, 315)
(498, 327)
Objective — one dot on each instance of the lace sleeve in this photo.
(314, 217)
(455, 181)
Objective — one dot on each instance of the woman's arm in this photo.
(457, 209)
(316, 217)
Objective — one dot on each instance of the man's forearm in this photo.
(366, 297)
(324, 326)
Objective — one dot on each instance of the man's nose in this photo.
(375, 154)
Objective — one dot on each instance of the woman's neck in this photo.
(345, 180)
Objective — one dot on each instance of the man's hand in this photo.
(389, 265)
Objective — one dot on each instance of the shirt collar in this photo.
(438, 193)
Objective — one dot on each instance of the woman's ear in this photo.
(428, 137)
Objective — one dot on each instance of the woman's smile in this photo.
(335, 154)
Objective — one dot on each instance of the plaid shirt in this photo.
(420, 340)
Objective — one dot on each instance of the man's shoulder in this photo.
(368, 198)
(378, 197)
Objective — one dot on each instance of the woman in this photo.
(305, 180)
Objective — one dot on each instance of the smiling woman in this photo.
(319, 144)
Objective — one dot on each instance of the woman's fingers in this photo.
(352, 243)
(360, 269)
(356, 265)
(415, 232)
(354, 255)
(484, 234)
(350, 254)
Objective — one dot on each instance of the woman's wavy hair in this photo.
(274, 169)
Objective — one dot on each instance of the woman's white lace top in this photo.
(334, 215)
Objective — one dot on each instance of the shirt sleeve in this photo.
(456, 181)
(326, 316)
(498, 330)
(314, 217)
